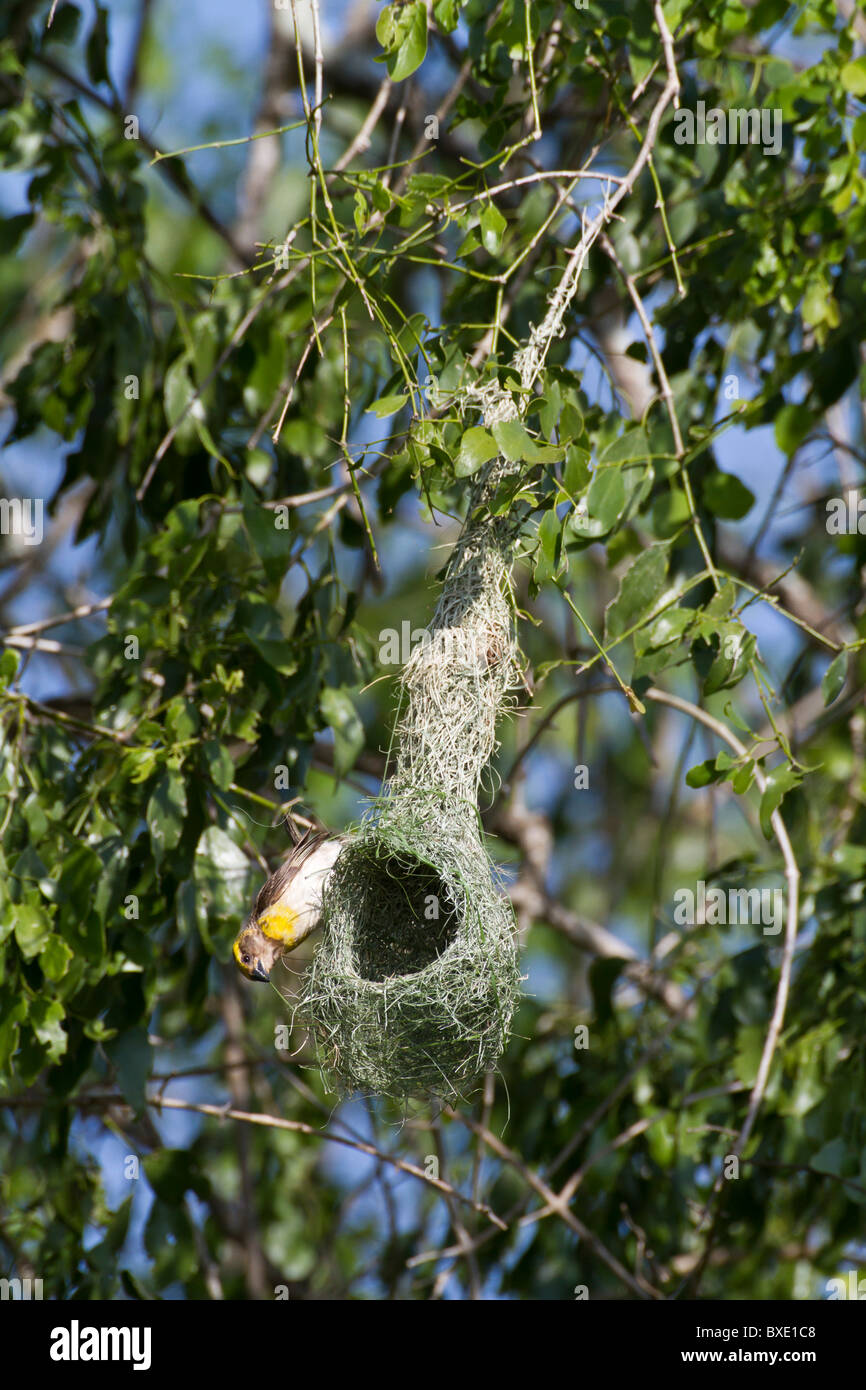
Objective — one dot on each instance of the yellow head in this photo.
(260, 944)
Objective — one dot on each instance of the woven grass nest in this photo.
(415, 981)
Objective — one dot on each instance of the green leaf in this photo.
(223, 874)
(385, 406)
(55, 957)
(747, 1058)
(46, 1019)
(9, 663)
(134, 1288)
(735, 650)
(831, 1158)
(548, 534)
(402, 32)
(834, 678)
(853, 77)
(97, 47)
(132, 1055)
(737, 719)
(668, 627)
(260, 622)
(512, 439)
(703, 774)
(476, 447)
(661, 1142)
(182, 407)
(576, 473)
(493, 226)
(219, 763)
(32, 928)
(605, 500)
(10, 1026)
(508, 494)
(518, 446)
(570, 423)
(382, 197)
(340, 714)
(139, 763)
(743, 777)
(722, 602)
(819, 305)
(166, 813)
(627, 448)
(640, 589)
(603, 975)
(549, 406)
(726, 497)
(171, 1173)
(447, 14)
(670, 511)
(411, 335)
(269, 542)
(182, 720)
(792, 424)
(550, 546)
(470, 243)
(779, 783)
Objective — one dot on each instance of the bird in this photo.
(288, 905)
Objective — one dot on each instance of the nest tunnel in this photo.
(405, 916)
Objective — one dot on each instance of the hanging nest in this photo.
(413, 986)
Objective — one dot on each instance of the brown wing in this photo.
(279, 881)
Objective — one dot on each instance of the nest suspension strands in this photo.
(415, 981)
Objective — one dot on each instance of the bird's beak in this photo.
(259, 973)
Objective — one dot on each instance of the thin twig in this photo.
(223, 1112)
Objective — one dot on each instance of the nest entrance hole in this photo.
(406, 916)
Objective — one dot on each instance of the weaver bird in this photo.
(288, 907)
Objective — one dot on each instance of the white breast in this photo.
(304, 894)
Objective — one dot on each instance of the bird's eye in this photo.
(245, 958)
